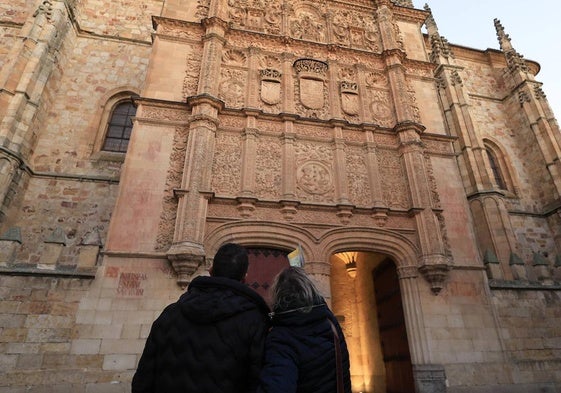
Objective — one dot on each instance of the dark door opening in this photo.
(264, 265)
(393, 334)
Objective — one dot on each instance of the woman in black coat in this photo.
(300, 349)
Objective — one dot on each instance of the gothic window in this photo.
(496, 170)
(114, 125)
(119, 127)
(499, 168)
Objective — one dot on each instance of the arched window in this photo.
(496, 170)
(500, 169)
(119, 127)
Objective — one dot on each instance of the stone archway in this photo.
(319, 247)
(366, 298)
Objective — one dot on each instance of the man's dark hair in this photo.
(230, 261)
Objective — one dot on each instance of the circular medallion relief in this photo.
(314, 177)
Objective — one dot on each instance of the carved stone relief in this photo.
(314, 173)
(354, 29)
(270, 88)
(234, 57)
(202, 9)
(164, 113)
(232, 122)
(311, 88)
(349, 98)
(432, 182)
(306, 23)
(309, 130)
(192, 72)
(267, 126)
(393, 179)
(166, 226)
(268, 168)
(256, 15)
(380, 108)
(232, 87)
(226, 168)
(357, 175)
(377, 79)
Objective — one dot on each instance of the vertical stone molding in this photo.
(187, 251)
(435, 261)
(248, 158)
(416, 334)
(289, 162)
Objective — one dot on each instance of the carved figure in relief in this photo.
(232, 88)
(314, 177)
(341, 28)
(307, 27)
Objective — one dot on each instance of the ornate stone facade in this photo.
(336, 126)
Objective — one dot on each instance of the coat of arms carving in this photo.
(311, 74)
(270, 86)
(349, 98)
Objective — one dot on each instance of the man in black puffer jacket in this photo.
(211, 340)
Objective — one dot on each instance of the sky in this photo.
(534, 29)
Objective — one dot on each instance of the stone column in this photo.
(380, 209)
(428, 377)
(187, 251)
(434, 263)
(289, 200)
(320, 273)
(247, 199)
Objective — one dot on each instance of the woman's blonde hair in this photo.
(293, 289)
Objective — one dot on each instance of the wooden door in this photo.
(264, 265)
(393, 335)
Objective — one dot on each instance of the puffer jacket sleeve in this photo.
(143, 380)
(280, 371)
(256, 353)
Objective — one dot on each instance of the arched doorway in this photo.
(366, 298)
(391, 326)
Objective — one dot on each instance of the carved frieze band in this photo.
(154, 111)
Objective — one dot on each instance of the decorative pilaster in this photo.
(289, 162)
(340, 166)
(249, 153)
(416, 333)
(187, 251)
(380, 209)
(435, 261)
